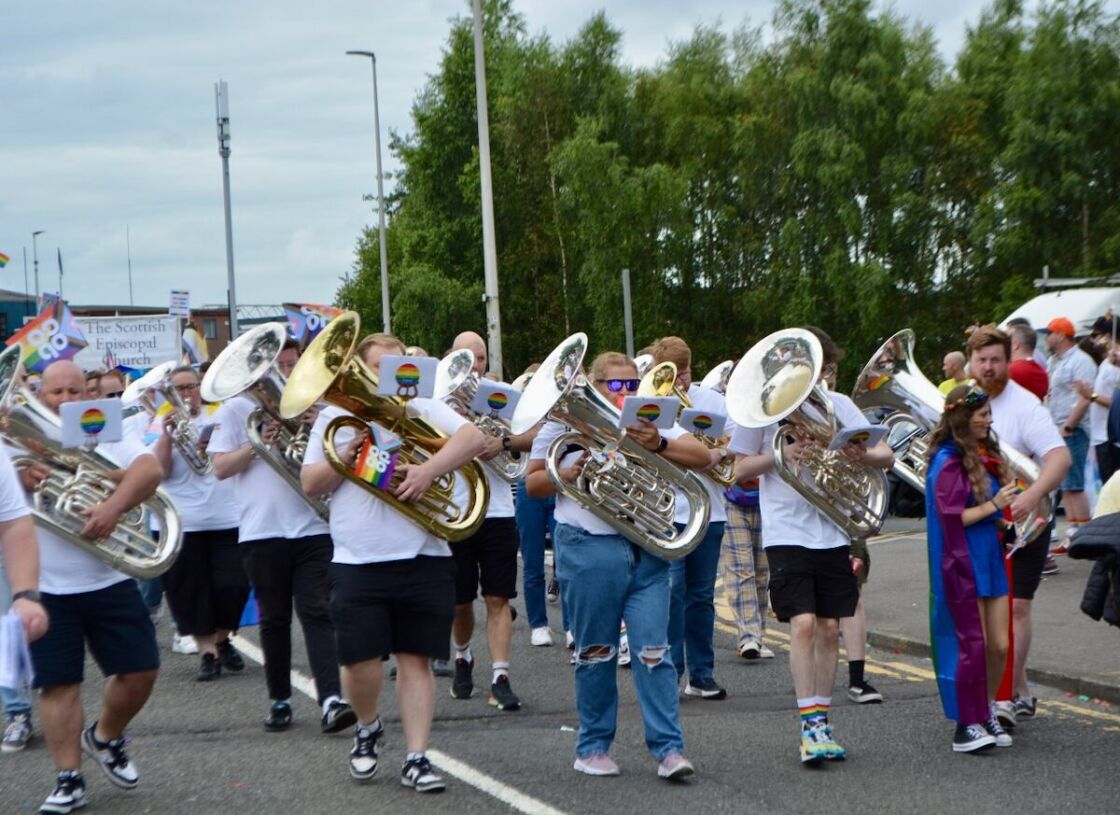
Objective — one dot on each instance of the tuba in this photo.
(622, 484)
(716, 379)
(661, 380)
(776, 381)
(78, 480)
(891, 382)
(183, 433)
(456, 384)
(248, 366)
(331, 370)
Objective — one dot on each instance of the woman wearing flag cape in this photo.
(967, 490)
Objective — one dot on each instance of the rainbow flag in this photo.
(305, 320)
(3, 260)
(53, 334)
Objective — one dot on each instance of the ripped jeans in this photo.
(607, 579)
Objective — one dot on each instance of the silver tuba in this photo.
(716, 379)
(456, 384)
(79, 479)
(248, 366)
(891, 383)
(183, 433)
(623, 484)
(777, 381)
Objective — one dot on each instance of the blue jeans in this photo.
(692, 608)
(607, 579)
(534, 519)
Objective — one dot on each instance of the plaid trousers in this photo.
(744, 571)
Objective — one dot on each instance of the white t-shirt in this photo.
(203, 501)
(364, 528)
(63, 567)
(268, 506)
(13, 503)
(713, 402)
(501, 491)
(1105, 384)
(1021, 421)
(788, 518)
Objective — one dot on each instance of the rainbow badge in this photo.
(497, 402)
(3, 260)
(650, 412)
(702, 421)
(92, 422)
(408, 380)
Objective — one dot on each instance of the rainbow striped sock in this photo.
(813, 712)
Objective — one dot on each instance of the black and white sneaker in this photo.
(69, 794)
(996, 729)
(338, 717)
(230, 657)
(462, 687)
(502, 696)
(363, 755)
(864, 694)
(972, 738)
(553, 591)
(705, 689)
(1024, 707)
(279, 717)
(111, 758)
(418, 774)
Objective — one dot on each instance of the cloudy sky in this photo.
(108, 122)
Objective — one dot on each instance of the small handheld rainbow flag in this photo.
(54, 334)
(3, 260)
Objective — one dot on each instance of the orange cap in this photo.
(1060, 325)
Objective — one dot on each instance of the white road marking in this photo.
(515, 798)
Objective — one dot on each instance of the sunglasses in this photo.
(616, 385)
(974, 397)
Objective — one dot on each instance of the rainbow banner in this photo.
(305, 320)
(54, 334)
(3, 260)
(378, 458)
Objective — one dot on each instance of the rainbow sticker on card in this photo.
(495, 399)
(660, 411)
(407, 377)
(703, 422)
(92, 421)
(497, 402)
(650, 412)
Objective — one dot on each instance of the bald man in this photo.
(954, 367)
(91, 603)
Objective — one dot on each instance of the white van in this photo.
(1081, 306)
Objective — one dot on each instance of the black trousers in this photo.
(1108, 459)
(206, 586)
(283, 571)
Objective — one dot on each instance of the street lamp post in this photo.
(221, 103)
(380, 195)
(35, 255)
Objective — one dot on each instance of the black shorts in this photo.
(400, 606)
(1027, 565)
(811, 581)
(115, 623)
(487, 559)
(206, 586)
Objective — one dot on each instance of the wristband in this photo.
(1094, 396)
(661, 445)
(28, 594)
(507, 445)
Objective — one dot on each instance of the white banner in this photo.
(136, 342)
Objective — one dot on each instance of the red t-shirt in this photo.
(1031, 376)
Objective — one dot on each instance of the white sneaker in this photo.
(569, 640)
(765, 653)
(184, 644)
(541, 636)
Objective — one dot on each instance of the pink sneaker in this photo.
(674, 767)
(597, 764)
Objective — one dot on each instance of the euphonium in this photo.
(892, 383)
(622, 483)
(716, 379)
(661, 380)
(183, 433)
(330, 370)
(777, 381)
(248, 366)
(456, 384)
(78, 480)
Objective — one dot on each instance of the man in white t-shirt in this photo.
(488, 561)
(392, 582)
(1098, 393)
(91, 603)
(1021, 422)
(286, 549)
(812, 585)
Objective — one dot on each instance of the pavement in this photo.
(1070, 651)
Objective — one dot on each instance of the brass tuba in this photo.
(330, 370)
(78, 480)
(623, 484)
(661, 380)
(891, 383)
(456, 384)
(248, 366)
(183, 433)
(777, 381)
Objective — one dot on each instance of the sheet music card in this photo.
(661, 411)
(407, 377)
(495, 399)
(703, 422)
(87, 423)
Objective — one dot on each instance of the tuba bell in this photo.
(248, 366)
(456, 384)
(183, 433)
(716, 379)
(79, 479)
(331, 370)
(777, 381)
(622, 484)
(892, 384)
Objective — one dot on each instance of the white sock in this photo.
(330, 700)
(463, 652)
(414, 756)
(500, 669)
(365, 729)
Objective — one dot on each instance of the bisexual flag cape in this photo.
(956, 634)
